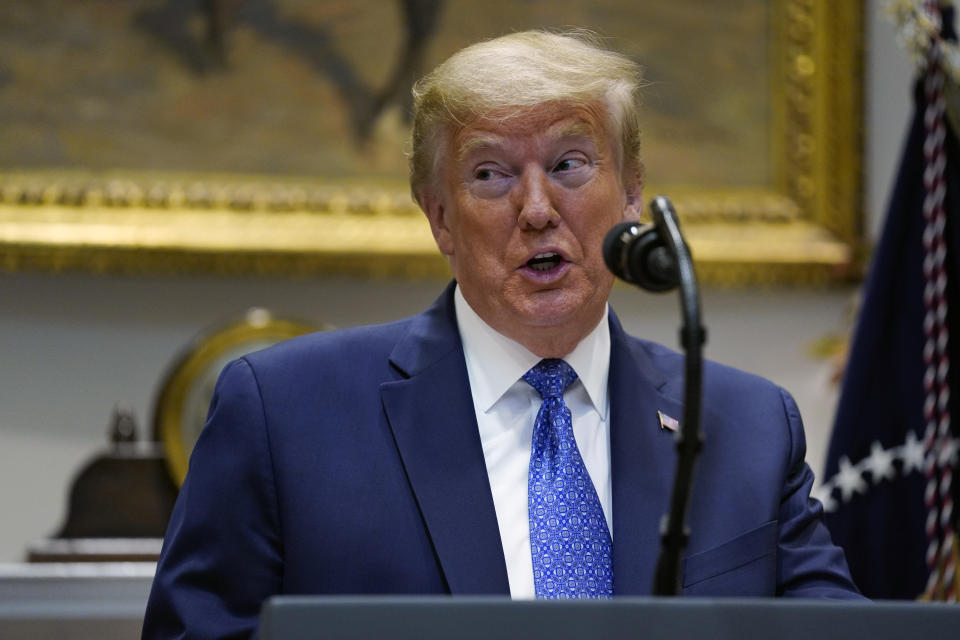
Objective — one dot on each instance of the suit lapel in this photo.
(430, 411)
(642, 460)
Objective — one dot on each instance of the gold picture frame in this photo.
(801, 228)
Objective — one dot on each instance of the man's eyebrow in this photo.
(476, 143)
(578, 129)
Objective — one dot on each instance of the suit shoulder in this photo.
(719, 378)
(372, 340)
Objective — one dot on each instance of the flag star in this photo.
(912, 452)
(880, 463)
(849, 480)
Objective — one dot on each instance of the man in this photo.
(508, 440)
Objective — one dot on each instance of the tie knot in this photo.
(550, 377)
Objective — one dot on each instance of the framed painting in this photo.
(268, 136)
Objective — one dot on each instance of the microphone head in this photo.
(615, 248)
(636, 253)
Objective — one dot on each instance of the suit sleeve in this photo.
(809, 565)
(222, 554)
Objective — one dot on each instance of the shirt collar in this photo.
(495, 362)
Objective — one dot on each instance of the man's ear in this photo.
(433, 205)
(633, 189)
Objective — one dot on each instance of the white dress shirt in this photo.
(506, 409)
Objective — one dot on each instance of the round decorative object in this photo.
(181, 407)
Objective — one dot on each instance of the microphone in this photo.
(636, 253)
(657, 258)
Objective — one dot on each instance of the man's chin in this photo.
(557, 308)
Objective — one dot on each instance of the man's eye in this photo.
(569, 164)
(490, 181)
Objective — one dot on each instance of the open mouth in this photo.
(545, 261)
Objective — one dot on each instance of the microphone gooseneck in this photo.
(656, 257)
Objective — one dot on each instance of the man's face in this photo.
(521, 209)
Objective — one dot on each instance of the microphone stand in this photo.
(673, 530)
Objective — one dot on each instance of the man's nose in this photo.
(536, 207)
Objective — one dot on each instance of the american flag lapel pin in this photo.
(666, 422)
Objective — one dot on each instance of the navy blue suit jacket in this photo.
(349, 462)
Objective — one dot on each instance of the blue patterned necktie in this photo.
(569, 540)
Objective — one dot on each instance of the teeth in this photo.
(544, 261)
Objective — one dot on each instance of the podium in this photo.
(487, 618)
(73, 601)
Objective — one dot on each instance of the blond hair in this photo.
(522, 70)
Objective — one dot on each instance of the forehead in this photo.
(545, 123)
